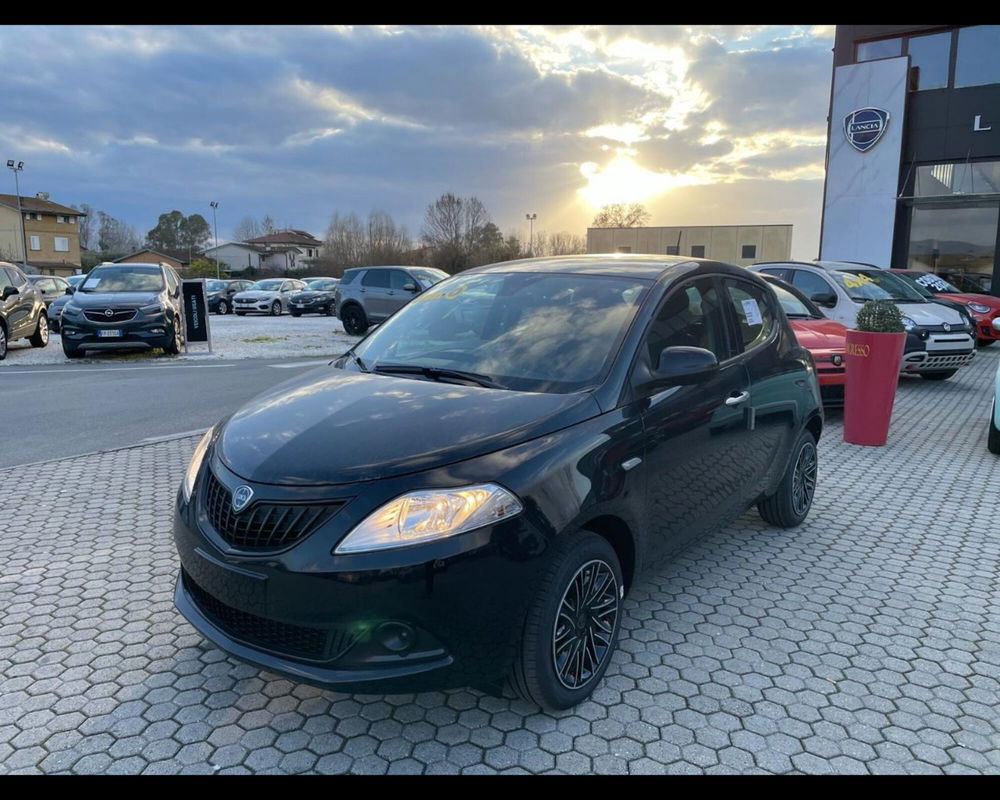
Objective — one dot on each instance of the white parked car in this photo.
(940, 339)
(269, 296)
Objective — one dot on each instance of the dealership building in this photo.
(737, 244)
(913, 150)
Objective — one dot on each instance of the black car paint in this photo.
(703, 463)
(232, 287)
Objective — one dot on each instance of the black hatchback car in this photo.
(124, 306)
(468, 494)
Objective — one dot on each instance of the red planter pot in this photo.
(872, 372)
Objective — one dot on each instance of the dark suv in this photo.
(367, 296)
(126, 306)
(22, 311)
(470, 492)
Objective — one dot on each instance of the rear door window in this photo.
(376, 279)
(752, 309)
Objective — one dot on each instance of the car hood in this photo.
(114, 299)
(332, 426)
(932, 313)
(971, 297)
(310, 295)
(819, 334)
(255, 294)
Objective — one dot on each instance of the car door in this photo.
(398, 296)
(46, 287)
(697, 436)
(19, 317)
(374, 291)
(8, 306)
(756, 321)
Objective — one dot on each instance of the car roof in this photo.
(821, 265)
(628, 265)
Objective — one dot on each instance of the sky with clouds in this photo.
(704, 125)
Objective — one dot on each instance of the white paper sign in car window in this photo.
(752, 312)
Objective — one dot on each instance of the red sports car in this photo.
(985, 308)
(824, 338)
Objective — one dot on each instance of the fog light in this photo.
(395, 636)
(157, 330)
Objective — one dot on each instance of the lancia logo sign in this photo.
(864, 127)
(241, 497)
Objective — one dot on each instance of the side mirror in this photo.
(826, 299)
(681, 366)
(9, 291)
(69, 290)
(409, 287)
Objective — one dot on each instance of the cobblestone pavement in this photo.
(866, 641)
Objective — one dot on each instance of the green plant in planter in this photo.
(879, 316)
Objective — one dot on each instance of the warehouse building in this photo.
(735, 244)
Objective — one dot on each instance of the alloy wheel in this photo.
(223, 307)
(43, 329)
(804, 479)
(3, 342)
(585, 624)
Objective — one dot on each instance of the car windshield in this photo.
(215, 286)
(75, 279)
(324, 285)
(123, 279)
(428, 277)
(793, 306)
(269, 285)
(931, 283)
(524, 331)
(871, 284)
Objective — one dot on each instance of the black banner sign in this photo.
(195, 311)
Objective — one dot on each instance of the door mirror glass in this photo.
(825, 299)
(679, 366)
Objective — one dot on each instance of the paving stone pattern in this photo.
(865, 641)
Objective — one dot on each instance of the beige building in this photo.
(735, 244)
(51, 234)
(147, 256)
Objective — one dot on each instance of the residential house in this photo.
(51, 234)
(284, 251)
(146, 256)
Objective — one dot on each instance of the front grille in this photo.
(117, 315)
(262, 525)
(282, 637)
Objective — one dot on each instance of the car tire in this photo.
(993, 438)
(3, 342)
(790, 504)
(295, 313)
(938, 376)
(985, 342)
(541, 673)
(241, 313)
(355, 320)
(53, 326)
(173, 348)
(276, 308)
(40, 337)
(329, 309)
(72, 352)
(223, 308)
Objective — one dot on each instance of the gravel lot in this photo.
(865, 641)
(232, 337)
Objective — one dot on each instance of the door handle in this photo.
(736, 399)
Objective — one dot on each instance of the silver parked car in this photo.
(367, 296)
(269, 296)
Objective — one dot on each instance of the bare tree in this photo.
(247, 228)
(620, 215)
(115, 236)
(349, 242)
(86, 225)
(454, 229)
(559, 244)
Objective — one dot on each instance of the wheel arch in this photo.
(619, 535)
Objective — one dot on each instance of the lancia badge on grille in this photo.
(109, 312)
(241, 498)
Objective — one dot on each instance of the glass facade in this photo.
(974, 177)
(958, 239)
(883, 48)
(978, 59)
(931, 54)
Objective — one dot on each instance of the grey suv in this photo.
(367, 296)
(22, 310)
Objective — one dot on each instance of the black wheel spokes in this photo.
(804, 480)
(584, 625)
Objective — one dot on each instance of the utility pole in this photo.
(16, 168)
(531, 232)
(215, 224)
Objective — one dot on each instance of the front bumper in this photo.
(937, 351)
(141, 333)
(319, 618)
(318, 306)
(987, 326)
(252, 305)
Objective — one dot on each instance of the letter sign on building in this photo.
(864, 127)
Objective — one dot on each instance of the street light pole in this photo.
(16, 168)
(215, 224)
(531, 232)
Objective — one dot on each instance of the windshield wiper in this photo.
(436, 373)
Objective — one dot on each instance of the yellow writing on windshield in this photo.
(452, 293)
(856, 281)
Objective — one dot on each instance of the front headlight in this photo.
(979, 307)
(192, 471)
(908, 323)
(156, 308)
(425, 516)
